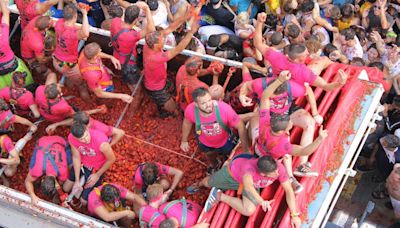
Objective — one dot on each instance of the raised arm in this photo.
(83, 33)
(184, 42)
(5, 11)
(269, 91)
(258, 41)
(149, 19)
(321, 21)
(43, 7)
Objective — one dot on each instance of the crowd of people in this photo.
(284, 45)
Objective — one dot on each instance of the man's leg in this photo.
(244, 206)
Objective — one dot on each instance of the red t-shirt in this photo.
(91, 155)
(94, 200)
(59, 108)
(6, 115)
(191, 82)
(126, 41)
(27, 10)
(162, 170)
(279, 62)
(155, 68)
(95, 74)
(32, 41)
(267, 143)
(24, 99)
(67, 42)
(212, 134)
(6, 54)
(243, 166)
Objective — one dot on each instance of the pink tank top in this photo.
(67, 42)
(185, 211)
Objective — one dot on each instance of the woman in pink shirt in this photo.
(19, 97)
(108, 202)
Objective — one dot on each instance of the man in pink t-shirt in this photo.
(155, 66)
(20, 99)
(273, 137)
(65, 56)
(84, 117)
(153, 172)
(33, 45)
(7, 119)
(96, 75)
(246, 174)
(92, 152)
(108, 202)
(214, 122)
(294, 62)
(51, 161)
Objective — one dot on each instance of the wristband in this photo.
(315, 115)
(296, 214)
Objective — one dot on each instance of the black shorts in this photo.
(88, 172)
(160, 97)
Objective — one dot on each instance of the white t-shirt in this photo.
(160, 16)
(355, 51)
(206, 31)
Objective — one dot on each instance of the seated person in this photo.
(179, 213)
(393, 186)
(98, 76)
(20, 99)
(247, 173)
(153, 172)
(108, 202)
(50, 163)
(7, 119)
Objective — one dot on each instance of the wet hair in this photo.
(91, 50)
(48, 186)
(109, 193)
(3, 105)
(307, 6)
(153, 4)
(347, 11)
(378, 65)
(150, 173)
(153, 191)
(287, 7)
(313, 45)
(392, 141)
(42, 22)
(293, 50)
(357, 61)
(18, 78)
(293, 31)
(276, 38)
(271, 21)
(106, 2)
(153, 38)
(199, 92)
(329, 48)
(131, 14)
(279, 122)
(266, 164)
(51, 91)
(81, 117)
(50, 42)
(348, 33)
(69, 12)
(78, 129)
(167, 223)
(192, 65)
(214, 40)
(115, 11)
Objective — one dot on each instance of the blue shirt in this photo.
(242, 6)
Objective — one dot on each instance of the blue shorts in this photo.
(88, 172)
(109, 88)
(226, 149)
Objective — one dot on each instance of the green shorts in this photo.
(224, 181)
